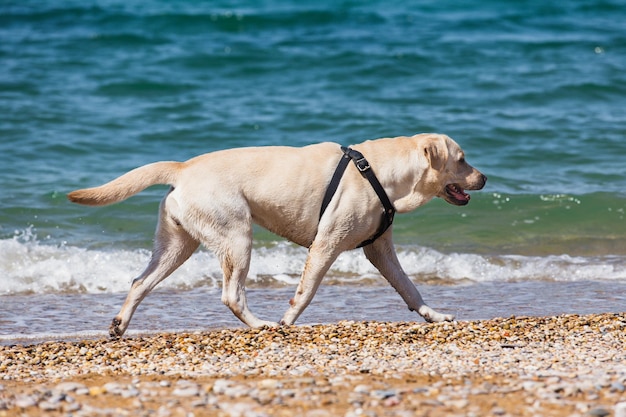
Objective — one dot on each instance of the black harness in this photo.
(366, 170)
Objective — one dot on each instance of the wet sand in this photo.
(518, 366)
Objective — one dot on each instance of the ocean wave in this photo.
(143, 87)
(30, 267)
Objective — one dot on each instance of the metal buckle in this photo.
(362, 164)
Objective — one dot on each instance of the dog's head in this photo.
(452, 174)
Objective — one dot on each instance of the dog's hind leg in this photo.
(321, 257)
(172, 246)
(235, 261)
(382, 255)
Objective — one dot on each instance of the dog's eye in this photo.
(462, 160)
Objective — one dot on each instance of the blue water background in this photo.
(534, 92)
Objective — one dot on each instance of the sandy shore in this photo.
(519, 366)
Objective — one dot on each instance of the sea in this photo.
(534, 92)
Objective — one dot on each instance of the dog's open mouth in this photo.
(455, 194)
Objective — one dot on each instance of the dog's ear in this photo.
(436, 152)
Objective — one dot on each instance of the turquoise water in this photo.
(535, 94)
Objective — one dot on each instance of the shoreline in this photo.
(560, 365)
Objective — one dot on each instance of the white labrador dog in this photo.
(215, 198)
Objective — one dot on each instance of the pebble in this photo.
(598, 412)
(50, 405)
(25, 401)
(362, 389)
(382, 394)
(68, 387)
(577, 363)
(186, 389)
(620, 409)
(617, 387)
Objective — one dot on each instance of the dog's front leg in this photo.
(321, 257)
(382, 255)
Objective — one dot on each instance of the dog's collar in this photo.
(366, 170)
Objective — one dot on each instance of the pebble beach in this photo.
(518, 366)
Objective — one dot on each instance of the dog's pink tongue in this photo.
(459, 193)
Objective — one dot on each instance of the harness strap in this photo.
(366, 170)
(334, 182)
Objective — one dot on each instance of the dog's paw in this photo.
(259, 324)
(448, 317)
(432, 316)
(114, 331)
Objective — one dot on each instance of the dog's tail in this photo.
(127, 185)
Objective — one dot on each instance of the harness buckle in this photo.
(362, 164)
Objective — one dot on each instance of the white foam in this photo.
(29, 266)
